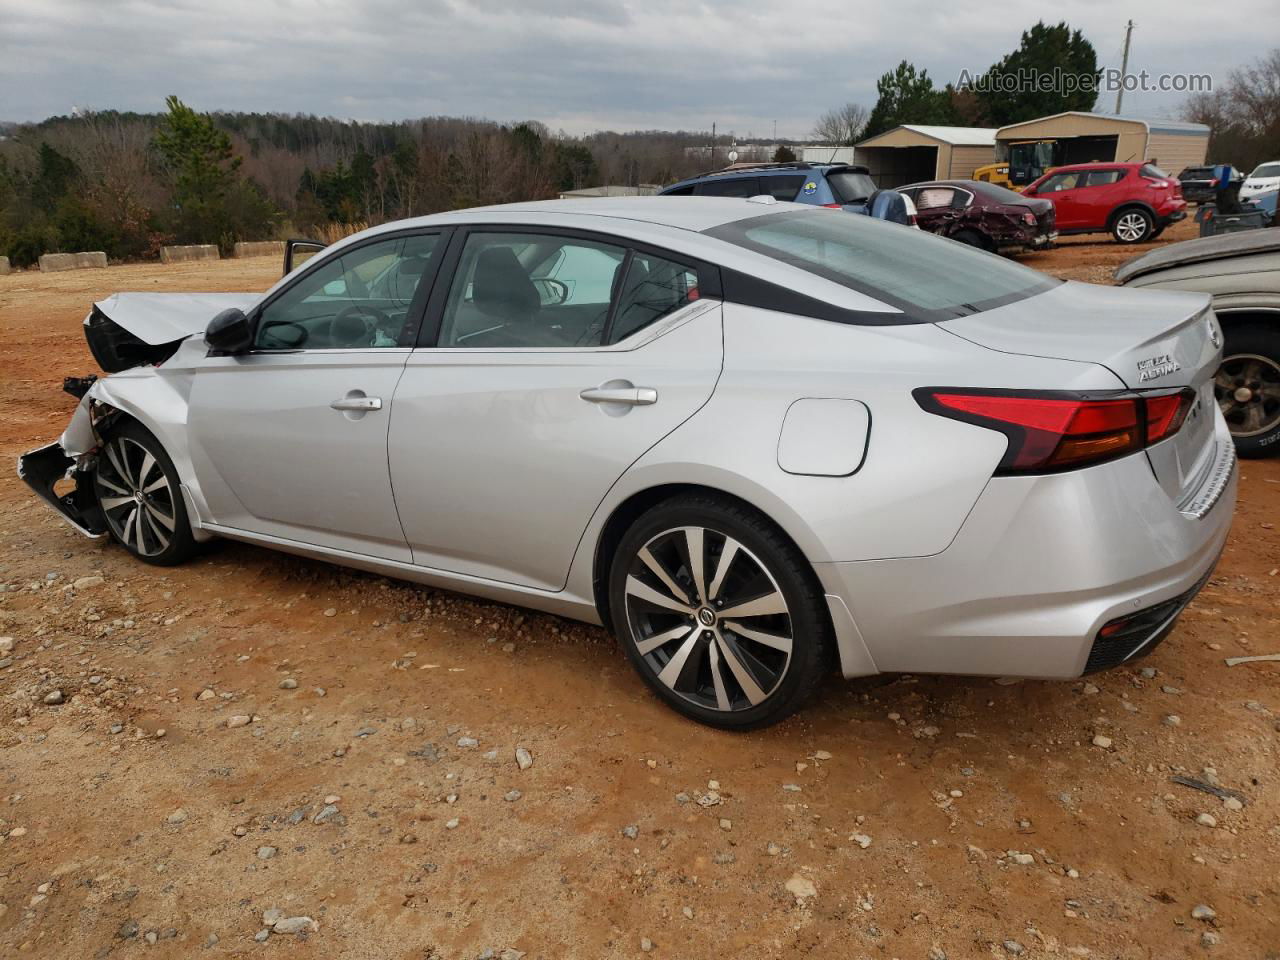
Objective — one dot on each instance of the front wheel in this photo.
(719, 613)
(138, 490)
(1247, 387)
(1132, 226)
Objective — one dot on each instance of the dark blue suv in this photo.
(837, 185)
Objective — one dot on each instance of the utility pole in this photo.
(713, 145)
(1124, 65)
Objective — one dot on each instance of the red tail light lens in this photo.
(1053, 431)
(832, 206)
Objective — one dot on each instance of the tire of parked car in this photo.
(140, 495)
(1132, 225)
(680, 572)
(1247, 387)
(970, 238)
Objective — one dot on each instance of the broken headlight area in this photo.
(57, 480)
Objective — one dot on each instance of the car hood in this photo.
(1198, 251)
(156, 318)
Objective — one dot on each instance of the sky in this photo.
(576, 65)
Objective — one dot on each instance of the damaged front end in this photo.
(70, 459)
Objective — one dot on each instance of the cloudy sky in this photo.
(577, 65)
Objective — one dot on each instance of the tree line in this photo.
(129, 183)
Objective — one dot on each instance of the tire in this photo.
(1132, 225)
(736, 673)
(140, 496)
(1247, 387)
(970, 238)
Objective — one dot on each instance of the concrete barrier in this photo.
(53, 262)
(198, 251)
(4, 266)
(260, 248)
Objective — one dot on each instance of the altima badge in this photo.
(1157, 366)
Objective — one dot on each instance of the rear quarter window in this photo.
(735, 187)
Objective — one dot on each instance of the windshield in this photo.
(1266, 171)
(851, 186)
(926, 276)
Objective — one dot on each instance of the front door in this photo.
(1063, 190)
(290, 439)
(559, 360)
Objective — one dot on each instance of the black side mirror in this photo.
(229, 332)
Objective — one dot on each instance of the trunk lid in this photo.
(1153, 341)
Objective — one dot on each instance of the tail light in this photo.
(832, 206)
(1051, 431)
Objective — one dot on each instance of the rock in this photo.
(53, 698)
(451, 824)
(726, 824)
(1207, 820)
(1098, 741)
(937, 953)
(1231, 803)
(512, 796)
(646, 945)
(239, 720)
(861, 839)
(801, 888)
(206, 694)
(269, 917)
(465, 742)
(288, 683)
(6, 644)
(1148, 673)
(511, 953)
(1090, 689)
(524, 759)
(631, 831)
(682, 798)
(688, 912)
(331, 612)
(772, 849)
(328, 813)
(1014, 947)
(266, 853)
(927, 733)
(128, 930)
(88, 583)
(289, 925)
(1022, 859)
(1209, 939)
(791, 787)
(1202, 911)
(178, 816)
(723, 858)
(261, 935)
(1172, 720)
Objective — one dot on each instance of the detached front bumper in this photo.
(1050, 576)
(42, 468)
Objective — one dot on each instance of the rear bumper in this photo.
(1173, 216)
(1040, 566)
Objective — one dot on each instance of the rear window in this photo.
(999, 194)
(851, 186)
(784, 188)
(1151, 170)
(1266, 171)
(926, 276)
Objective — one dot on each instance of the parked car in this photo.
(1241, 271)
(1133, 202)
(742, 433)
(1264, 179)
(840, 186)
(983, 215)
(1200, 184)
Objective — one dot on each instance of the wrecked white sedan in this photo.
(755, 438)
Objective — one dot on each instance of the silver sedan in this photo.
(758, 440)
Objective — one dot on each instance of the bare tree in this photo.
(842, 126)
(1243, 115)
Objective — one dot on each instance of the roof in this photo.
(956, 136)
(1153, 124)
(1199, 250)
(613, 190)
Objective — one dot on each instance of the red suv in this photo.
(1131, 201)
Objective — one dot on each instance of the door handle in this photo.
(631, 396)
(361, 404)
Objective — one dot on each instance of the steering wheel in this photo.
(350, 328)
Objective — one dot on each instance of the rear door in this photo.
(1102, 191)
(523, 406)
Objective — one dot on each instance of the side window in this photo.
(522, 290)
(1059, 182)
(1102, 178)
(652, 288)
(360, 298)
(931, 198)
(784, 188)
(682, 192)
(730, 187)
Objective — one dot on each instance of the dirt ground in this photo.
(898, 817)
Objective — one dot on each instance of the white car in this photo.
(1264, 179)
(757, 439)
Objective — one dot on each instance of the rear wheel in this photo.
(970, 238)
(138, 490)
(719, 613)
(1247, 387)
(1132, 226)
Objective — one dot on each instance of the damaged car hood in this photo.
(156, 318)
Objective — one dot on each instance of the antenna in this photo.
(1124, 65)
